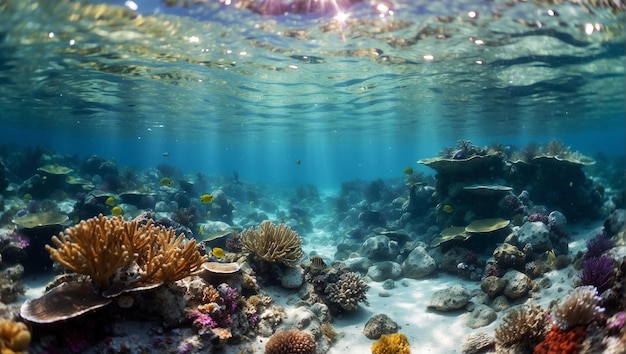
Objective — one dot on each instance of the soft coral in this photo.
(559, 341)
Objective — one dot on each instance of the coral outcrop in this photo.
(291, 342)
(395, 343)
(562, 341)
(273, 243)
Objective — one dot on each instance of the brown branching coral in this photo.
(273, 243)
(522, 329)
(348, 291)
(291, 342)
(14, 337)
(99, 247)
(580, 307)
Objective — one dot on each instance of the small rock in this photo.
(536, 234)
(480, 317)
(492, 285)
(384, 293)
(378, 325)
(509, 256)
(418, 264)
(292, 278)
(450, 299)
(389, 284)
(384, 270)
(517, 284)
(476, 343)
(500, 303)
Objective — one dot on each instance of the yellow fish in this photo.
(27, 197)
(201, 230)
(448, 208)
(110, 201)
(117, 210)
(217, 252)
(298, 162)
(551, 256)
(408, 170)
(166, 182)
(206, 198)
(317, 262)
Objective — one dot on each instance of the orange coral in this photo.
(291, 342)
(395, 343)
(14, 337)
(559, 341)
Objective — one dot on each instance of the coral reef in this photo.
(522, 329)
(272, 243)
(580, 307)
(348, 291)
(395, 343)
(562, 341)
(14, 337)
(291, 342)
(100, 247)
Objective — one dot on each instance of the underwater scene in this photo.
(312, 176)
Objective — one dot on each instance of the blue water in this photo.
(242, 98)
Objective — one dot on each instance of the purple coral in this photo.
(597, 271)
(597, 245)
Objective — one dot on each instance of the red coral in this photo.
(562, 342)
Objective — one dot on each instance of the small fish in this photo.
(201, 230)
(117, 210)
(166, 182)
(448, 208)
(408, 170)
(206, 198)
(317, 262)
(110, 201)
(166, 154)
(298, 162)
(217, 252)
(251, 203)
(27, 197)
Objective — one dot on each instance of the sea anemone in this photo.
(599, 244)
(597, 271)
(578, 308)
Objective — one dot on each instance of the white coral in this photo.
(578, 308)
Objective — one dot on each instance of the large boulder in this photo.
(536, 234)
(418, 264)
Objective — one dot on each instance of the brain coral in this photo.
(395, 343)
(291, 342)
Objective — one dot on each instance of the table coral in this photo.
(14, 337)
(291, 342)
(395, 343)
(560, 341)
(273, 243)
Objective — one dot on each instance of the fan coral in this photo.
(348, 291)
(14, 337)
(597, 271)
(395, 343)
(273, 243)
(599, 244)
(578, 308)
(562, 341)
(523, 328)
(99, 247)
(291, 342)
